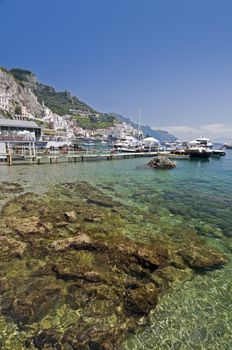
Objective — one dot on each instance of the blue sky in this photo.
(172, 58)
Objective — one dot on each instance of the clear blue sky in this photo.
(171, 57)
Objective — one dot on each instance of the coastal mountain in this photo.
(23, 91)
(60, 102)
(160, 135)
(30, 98)
(17, 95)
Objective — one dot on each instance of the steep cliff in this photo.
(21, 95)
(60, 102)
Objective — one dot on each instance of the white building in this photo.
(26, 114)
(5, 101)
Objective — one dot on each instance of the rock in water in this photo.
(161, 163)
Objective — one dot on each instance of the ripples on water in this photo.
(196, 194)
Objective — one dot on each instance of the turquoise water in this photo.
(196, 194)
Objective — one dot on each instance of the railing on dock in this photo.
(33, 155)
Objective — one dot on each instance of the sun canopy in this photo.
(151, 140)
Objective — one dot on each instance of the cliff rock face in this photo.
(21, 94)
(26, 90)
(59, 102)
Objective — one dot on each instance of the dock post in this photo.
(9, 159)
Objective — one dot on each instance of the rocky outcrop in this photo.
(21, 95)
(161, 163)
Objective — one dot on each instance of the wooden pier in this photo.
(31, 155)
(54, 157)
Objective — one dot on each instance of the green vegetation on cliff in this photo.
(62, 102)
(93, 122)
(59, 102)
(20, 75)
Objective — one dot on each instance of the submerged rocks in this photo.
(75, 279)
(32, 304)
(11, 248)
(161, 163)
(81, 241)
(201, 257)
(10, 187)
(140, 301)
(71, 216)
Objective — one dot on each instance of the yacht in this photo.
(228, 145)
(202, 147)
(127, 144)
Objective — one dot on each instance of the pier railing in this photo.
(33, 155)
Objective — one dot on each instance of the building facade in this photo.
(10, 128)
(5, 101)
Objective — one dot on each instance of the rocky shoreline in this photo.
(72, 279)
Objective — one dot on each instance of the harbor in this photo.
(32, 156)
(57, 157)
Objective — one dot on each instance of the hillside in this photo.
(160, 135)
(60, 102)
(27, 91)
(20, 95)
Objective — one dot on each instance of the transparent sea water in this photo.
(196, 194)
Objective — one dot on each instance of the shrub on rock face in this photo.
(161, 163)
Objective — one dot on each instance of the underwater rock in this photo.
(10, 187)
(201, 257)
(33, 304)
(47, 339)
(83, 284)
(10, 248)
(161, 163)
(71, 216)
(26, 226)
(91, 337)
(81, 241)
(141, 300)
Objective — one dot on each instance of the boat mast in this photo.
(139, 122)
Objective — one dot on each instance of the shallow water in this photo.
(196, 194)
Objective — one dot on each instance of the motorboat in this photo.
(127, 144)
(228, 145)
(201, 147)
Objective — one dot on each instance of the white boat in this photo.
(127, 144)
(202, 147)
(228, 145)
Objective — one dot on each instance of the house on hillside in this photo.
(5, 101)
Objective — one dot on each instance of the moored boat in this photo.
(202, 147)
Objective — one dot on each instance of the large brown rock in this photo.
(161, 163)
